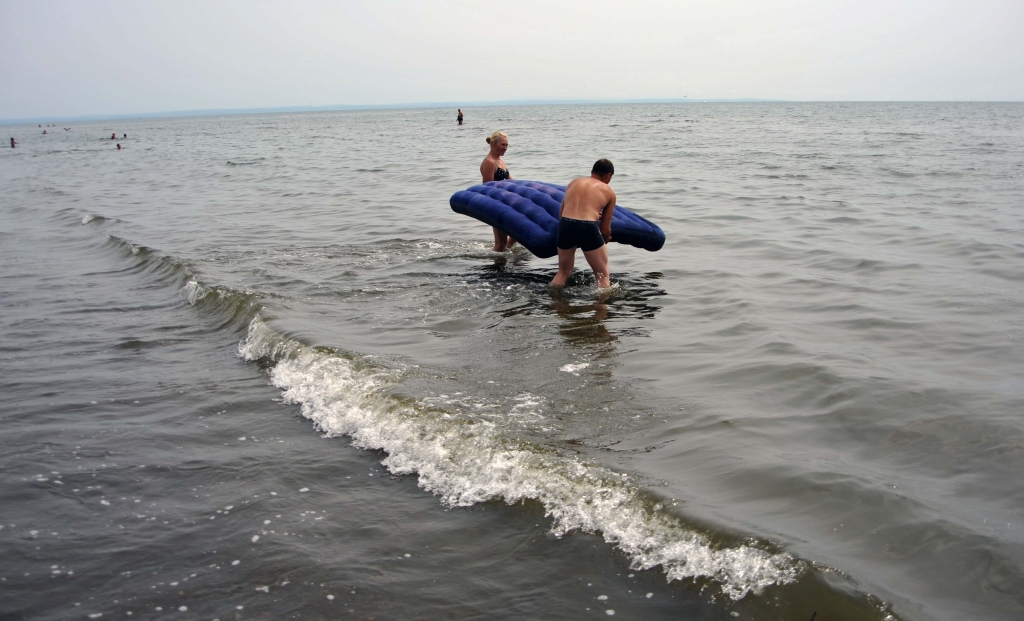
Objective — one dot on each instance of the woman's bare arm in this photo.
(487, 169)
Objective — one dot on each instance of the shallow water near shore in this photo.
(255, 367)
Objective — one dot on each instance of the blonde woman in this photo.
(493, 169)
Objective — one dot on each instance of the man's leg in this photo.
(598, 260)
(566, 259)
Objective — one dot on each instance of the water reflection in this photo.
(585, 315)
(583, 324)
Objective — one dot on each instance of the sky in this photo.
(70, 58)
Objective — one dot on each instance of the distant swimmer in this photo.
(493, 169)
(44, 131)
(125, 137)
(13, 142)
(459, 118)
(113, 136)
(119, 146)
(585, 222)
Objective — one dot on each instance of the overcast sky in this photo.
(66, 58)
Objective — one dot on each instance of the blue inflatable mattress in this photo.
(528, 211)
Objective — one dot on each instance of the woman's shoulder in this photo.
(487, 168)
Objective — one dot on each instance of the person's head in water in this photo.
(119, 146)
(603, 169)
(498, 142)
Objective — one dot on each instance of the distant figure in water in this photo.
(585, 222)
(113, 136)
(124, 137)
(44, 131)
(493, 169)
(459, 118)
(13, 142)
(119, 146)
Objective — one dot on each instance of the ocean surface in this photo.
(254, 367)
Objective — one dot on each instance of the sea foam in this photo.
(466, 461)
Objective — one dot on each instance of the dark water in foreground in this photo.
(255, 368)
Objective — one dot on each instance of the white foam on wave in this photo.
(574, 368)
(193, 291)
(465, 462)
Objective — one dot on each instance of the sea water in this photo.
(255, 367)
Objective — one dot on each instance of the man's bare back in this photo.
(585, 222)
(590, 198)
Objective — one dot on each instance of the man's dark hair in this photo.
(603, 167)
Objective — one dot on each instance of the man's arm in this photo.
(606, 217)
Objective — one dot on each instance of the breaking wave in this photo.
(465, 461)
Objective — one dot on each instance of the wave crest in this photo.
(465, 462)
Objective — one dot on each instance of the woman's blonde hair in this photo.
(493, 138)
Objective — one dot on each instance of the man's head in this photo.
(603, 169)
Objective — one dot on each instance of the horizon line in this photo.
(444, 104)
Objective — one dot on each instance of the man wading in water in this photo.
(585, 221)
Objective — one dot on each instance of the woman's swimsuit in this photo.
(500, 174)
(583, 234)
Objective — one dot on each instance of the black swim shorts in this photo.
(583, 234)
